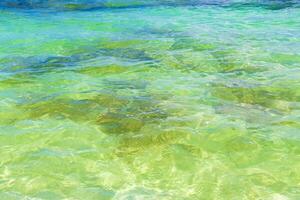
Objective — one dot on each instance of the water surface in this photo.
(150, 101)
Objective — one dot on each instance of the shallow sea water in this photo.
(150, 102)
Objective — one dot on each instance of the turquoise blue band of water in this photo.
(104, 4)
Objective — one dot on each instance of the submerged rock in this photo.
(191, 43)
(114, 113)
(120, 50)
(127, 53)
(119, 123)
(266, 96)
(129, 115)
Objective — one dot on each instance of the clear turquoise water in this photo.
(151, 102)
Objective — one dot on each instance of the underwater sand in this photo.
(150, 102)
